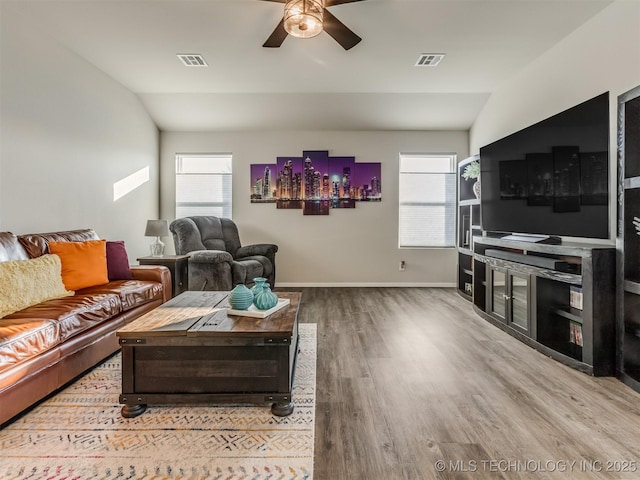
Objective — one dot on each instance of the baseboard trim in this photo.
(366, 284)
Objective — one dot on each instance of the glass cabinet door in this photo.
(509, 298)
(519, 293)
(498, 293)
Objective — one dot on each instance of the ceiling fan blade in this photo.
(285, 1)
(331, 3)
(339, 31)
(277, 36)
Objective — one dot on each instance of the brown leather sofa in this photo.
(46, 345)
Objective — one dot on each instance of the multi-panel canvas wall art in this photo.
(263, 185)
(315, 182)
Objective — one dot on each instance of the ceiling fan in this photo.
(307, 18)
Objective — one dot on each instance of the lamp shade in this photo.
(157, 228)
(303, 18)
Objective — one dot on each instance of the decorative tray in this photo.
(252, 311)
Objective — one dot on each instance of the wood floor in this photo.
(408, 377)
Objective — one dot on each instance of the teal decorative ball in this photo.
(265, 299)
(259, 286)
(240, 298)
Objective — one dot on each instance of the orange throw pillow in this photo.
(84, 264)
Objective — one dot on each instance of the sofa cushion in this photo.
(10, 248)
(21, 339)
(84, 264)
(75, 314)
(132, 293)
(37, 244)
(118, 261)
(27, 282)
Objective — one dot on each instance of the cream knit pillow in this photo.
(27, 282)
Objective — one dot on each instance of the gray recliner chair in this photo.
(217, 260)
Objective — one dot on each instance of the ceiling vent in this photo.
(192, 60)
(429, 59)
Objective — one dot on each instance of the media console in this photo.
(558, 299)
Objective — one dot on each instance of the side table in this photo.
(178, 265)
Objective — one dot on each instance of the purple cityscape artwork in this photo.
(316, 192)
(263, 187)
(315, 182)
(341, 178)
(367, 180)
(289, 182)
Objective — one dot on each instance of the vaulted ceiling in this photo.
(307, 83)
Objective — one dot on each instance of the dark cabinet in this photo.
(559, 299)
(178, 265)
(498, 293)
(628, 239)
(562, 325)
(509, 298)
(518, 298)
(468, 227)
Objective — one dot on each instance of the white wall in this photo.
(67, 133)
(602, 55)
(347, 247)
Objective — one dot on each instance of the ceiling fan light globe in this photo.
(303, 18)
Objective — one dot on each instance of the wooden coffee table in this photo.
(189, 350)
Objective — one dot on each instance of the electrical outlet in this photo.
(402, 265)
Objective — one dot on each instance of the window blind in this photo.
(204, 185)
(427, 201)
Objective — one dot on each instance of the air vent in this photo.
(192, 60)
(429, 59)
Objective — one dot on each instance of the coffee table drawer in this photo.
(207, 369)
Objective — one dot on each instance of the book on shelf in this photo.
(575, 334)
(572, 333)
(575, 297)
(579, 335)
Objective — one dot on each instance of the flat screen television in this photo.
(551, 178)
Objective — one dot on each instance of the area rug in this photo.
(80, 434)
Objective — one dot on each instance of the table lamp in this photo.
(157, 228)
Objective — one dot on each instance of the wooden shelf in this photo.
(566, 348)
(628, 300)
(465, 295)
(630, 183)
(574, 317)
(541, 272)
(632, 287)
(468, 226)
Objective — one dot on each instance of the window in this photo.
(203, 185)
(427, 200)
